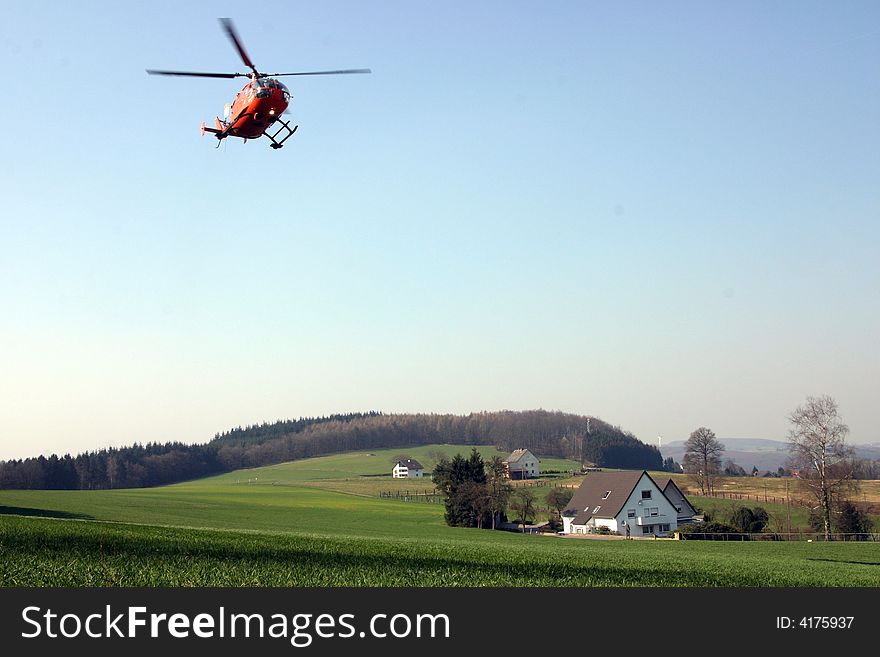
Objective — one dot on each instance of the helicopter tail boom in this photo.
(218, 130)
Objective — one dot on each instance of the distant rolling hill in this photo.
(761, 453)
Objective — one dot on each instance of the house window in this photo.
(664, 528)
(646, 495)
(607, 493)
(630, 513)
(596, 510)
(654, 511)
(647, 529)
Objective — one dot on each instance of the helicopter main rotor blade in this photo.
(233, 36)
(193, 74)
(342, 72)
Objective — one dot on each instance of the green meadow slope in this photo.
(319, 522)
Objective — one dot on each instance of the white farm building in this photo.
(407, 469)
(522, 464)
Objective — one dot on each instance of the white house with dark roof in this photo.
(618, 500)
(522, 464)
(407, 469)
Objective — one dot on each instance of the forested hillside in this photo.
(545, 433)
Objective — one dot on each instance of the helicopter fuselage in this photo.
(256, 107)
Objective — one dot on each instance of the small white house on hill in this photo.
(407, 469)
(620, 500)
(522, 464)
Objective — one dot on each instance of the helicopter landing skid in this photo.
(284, 128)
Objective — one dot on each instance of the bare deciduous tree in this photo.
(702, 458)
(435, 456)
(523, 503)
(817, 442)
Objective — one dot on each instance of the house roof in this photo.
(410, 464)
(594, 487)
(665, 482)
(617, 485)
(516, 455)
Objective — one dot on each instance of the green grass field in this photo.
(296, 524)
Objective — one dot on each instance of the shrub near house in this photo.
(711, 531)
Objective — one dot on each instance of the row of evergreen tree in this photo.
(475, 493)
(545, 433)
(138, 466)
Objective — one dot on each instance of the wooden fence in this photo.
(533, 483)
(755, 497)
(427, 496)
(808, 536)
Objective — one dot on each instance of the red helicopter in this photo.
(258, 107)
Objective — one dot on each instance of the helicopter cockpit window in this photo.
(263, 87)
(285, 92)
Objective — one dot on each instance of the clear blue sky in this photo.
(665, 215)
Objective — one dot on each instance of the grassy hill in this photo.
(327, 495)
(295, 525)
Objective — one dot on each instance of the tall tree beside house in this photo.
(463, 484)
(702, 458)
(558, 499)
(523, 503)
(447, 477)
(498, 489)
(442, 475)
(473, 492)
(476, 467)
(817, 444)
(473, 504)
